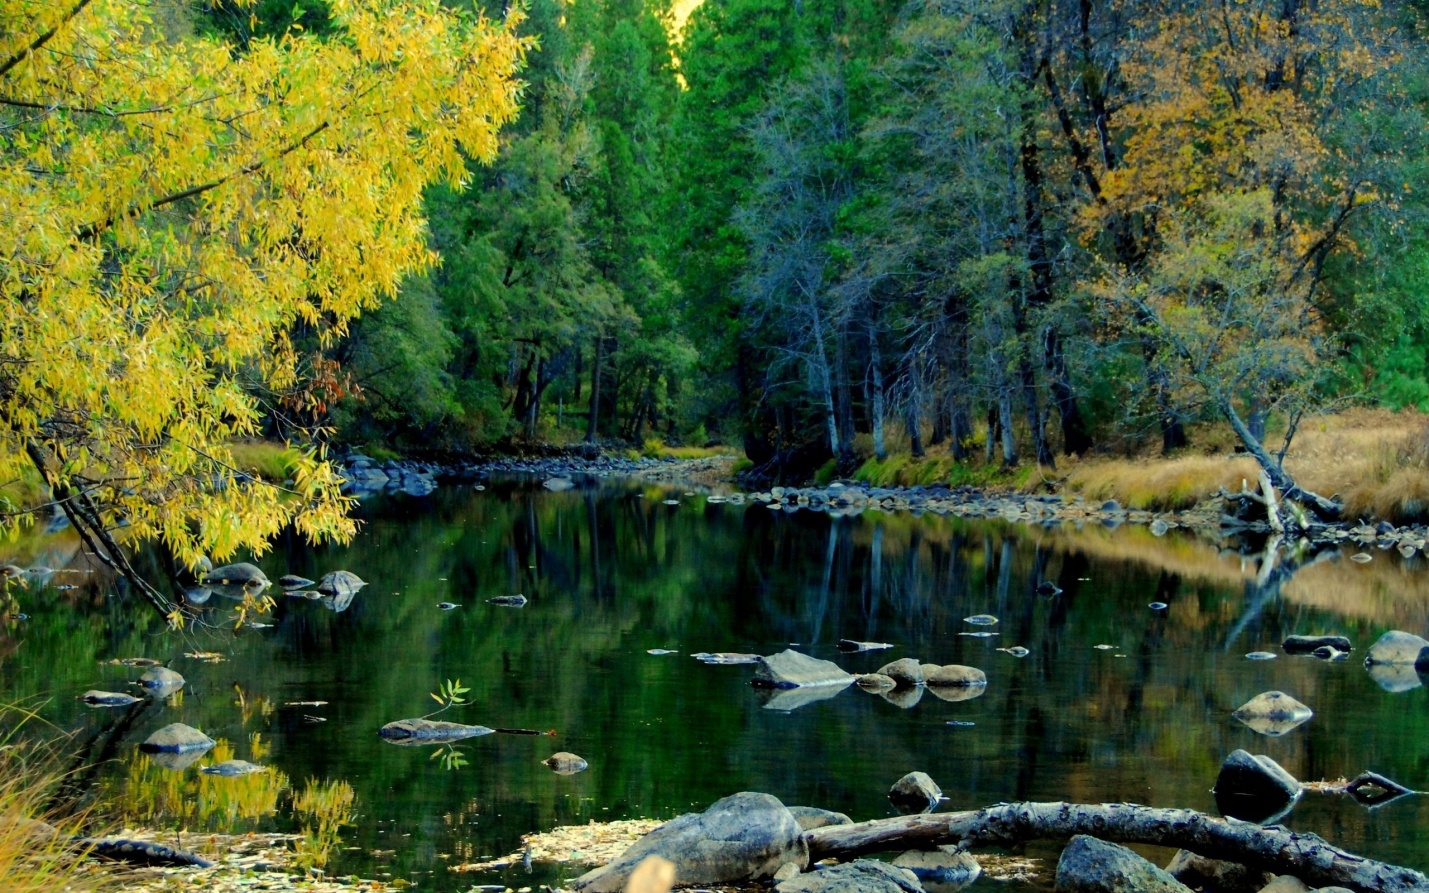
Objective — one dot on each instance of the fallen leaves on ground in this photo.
(590, 844)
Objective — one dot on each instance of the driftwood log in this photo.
(1273, 848)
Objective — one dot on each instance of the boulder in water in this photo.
(233, 768)
(1200, 873)
(945, 869)
(915, 791)
(875, 682)
(340, 583)
(161, 681)
(790, 669)
(953, 675)
(508, 601)
(177, 738)
(742, 837)
(555, 485)
(1273, 713)
(1089, 865)
(1307, 644)
(1396, 647)
(904, 672)
(1254, 788)
(853, 646)
(811, 817)
(96, 698)
(429, 731)
(242, 574)
(293, 581)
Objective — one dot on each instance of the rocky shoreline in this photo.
(1215, 516)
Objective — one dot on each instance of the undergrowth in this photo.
(268, 461)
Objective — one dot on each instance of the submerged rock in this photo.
(161, 681)
(1200, 873)
(96, 698)
(787, 699)
(980, 620)
(907, 697)
(725, 657)
(177, 738)
(1395, 678)
(790, 669)
(875, 682)
(429, 731)
(555, 485)
(242, 574)
(1089, 865)
(563, 763)
(858, 876)
(851, 645)
(508, 601)
(1262, 655)
(293, 581)
(915, 791)
(1254, 788)
(744, 836)
(811, 817)
(945, 869)
(233, 768)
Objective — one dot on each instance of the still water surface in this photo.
(611, 571)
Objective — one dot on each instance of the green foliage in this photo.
(449, 695)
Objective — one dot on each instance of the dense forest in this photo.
(813, 229)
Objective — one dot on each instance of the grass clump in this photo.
(35, 853)
(655, 448)
(267, 461)
(1160, 485)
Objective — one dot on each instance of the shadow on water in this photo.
(610, 572)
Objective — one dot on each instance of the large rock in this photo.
(790, 669)
(905, 672)
(858, 876)
(565, 763)
(744, 836)
(177, 738)
(161, 681)
(429, 731)
(1200, 873)
(811, 817)
(945, 869)
(242, 574)
(1254, 788)
(340, 583)
(1273, 713)
(1307, 644)
(1396, 647)
(915, 791)
(96, 698)
(1089, 865)
(953, 675)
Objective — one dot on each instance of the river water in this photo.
(611, 571)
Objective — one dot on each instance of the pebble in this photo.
(1262, 655)
(980, 620)
(1158, 606)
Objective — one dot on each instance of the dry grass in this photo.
(35, 856)
(271, 462)
(1377, 461)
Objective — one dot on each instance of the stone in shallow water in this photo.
(429, 731)
(980, 620)
(791, 669)
(915, 791)
(725, 657)
(1254, 788)
(95, 698)
(1089, 865)
(161, 681)
(1307, 644)
(906, 698)
(293, 581)
(555, 485)
(904, 672)
(1396, 647)
(852, 645)
(1273, 713)
(340, 583)
(508, 601)
(243, 574)
(661, 652)
(861, 875)
(177, 738)
(947, 867)
(953, 675)
(1262, 655)
(811, 817)
(875, 682)
(233, 768)
(563, 763)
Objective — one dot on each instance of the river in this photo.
(611, 571)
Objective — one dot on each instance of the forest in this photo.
(814, 229)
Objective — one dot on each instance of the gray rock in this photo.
(943, 870)
(787, 699)
(852, 645)
(906, 671)
(242, 574)
(744, 836)
(725, 657)
(786, 872)
(1273, 713)
(1395, 678)
(233, 768)
(1200, 873)
(906, 698)
(953, 675)
(916, 790)
(875, 682)
(340, 583)
(858, 876)
(1089, 865)
(293, 581)
(161, 681)
(1307, 644)
(508, 601)
(1288, 883)
(1396, 647)
(563, 763)
(790, 669)
(96, 698)
(555, 485)
(177, 738)
(1253, 787)
(429, 731)
(811, 817)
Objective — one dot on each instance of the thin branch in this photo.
(43, 39)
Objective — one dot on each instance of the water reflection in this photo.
(611, 574)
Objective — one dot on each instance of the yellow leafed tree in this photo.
(170, 208)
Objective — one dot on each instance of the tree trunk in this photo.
(914, 416)
(843, 398)
(990, 447)
(1273, 849)
(593, 423)
(1075, 439)
(1327, 509)
(1004, 421)
(875, 369)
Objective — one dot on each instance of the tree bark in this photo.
(593, 422)
(1272, 849)
(1327, 509)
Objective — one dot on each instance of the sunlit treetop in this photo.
(170, 208)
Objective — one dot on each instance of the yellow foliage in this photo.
(170, 208)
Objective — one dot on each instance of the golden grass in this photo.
(656, 448)
(269, 461)
(1159, 484)
(35, 856)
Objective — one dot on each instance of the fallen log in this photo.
(1273, 848)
